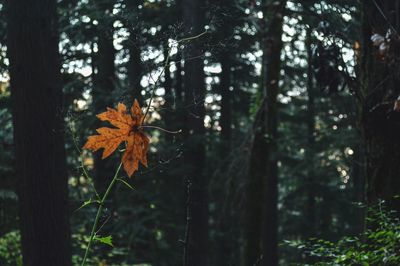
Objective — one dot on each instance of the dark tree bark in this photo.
(135, 68)
(194, 91)
(224, 238)
(261, 226)
(169, 95)
(226, 100)
(179, 80)
(380, 79)
(272, 68)
(310, 226)
(38, 132)
(358, 175)
(133, 45)
(254, 191)
(103, 87)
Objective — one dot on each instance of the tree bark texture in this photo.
(272, 67)
(261, 226)
(38, 132)
(103, 88)
(194, 156)
(311, 182)
(380, 79)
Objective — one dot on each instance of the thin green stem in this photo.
(98, 214)
(85, 173)
(162, 129)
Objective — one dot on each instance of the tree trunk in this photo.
(103, 88)
(261, 231)
(179, 80)
(254, 191)
(226, 100)
(38, 132)
(272, 68)
(224, 237)
(135, 68)
(380, 78)
(194, 90)
(310, 226)
(133, 44)
(169, 96)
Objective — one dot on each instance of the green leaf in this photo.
(105, 240)
(125, 183)
(88, 202)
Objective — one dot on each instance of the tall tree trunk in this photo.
(134, 65)
(358, 175)
(254, 191)
(311, 185)
(226, 100)
(272, 67)
(103, 87)
(38, 132)
(169, 94)
(223, 193)
(179, 80)
(194, 91)
(135, 68)
(381, 87)
(261, 227)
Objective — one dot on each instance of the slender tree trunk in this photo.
(103, 88)
(135, 68)
(169, 96)
(358, 175)
(311, 185)
(223, 193)
(38, 132)
(261, 227)
(272, 68)
(226, 100)
(254, 191)
(381, 87)
(134, 65)
(179, 80)
(194, 91)
(224, 238)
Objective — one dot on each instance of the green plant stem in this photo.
(99, 211)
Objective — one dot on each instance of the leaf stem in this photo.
(85, 173)
(99, 211)
(162, 129)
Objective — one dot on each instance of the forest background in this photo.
(285, 142)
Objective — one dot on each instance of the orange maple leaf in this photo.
(128, 128)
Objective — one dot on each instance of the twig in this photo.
(166, 64)
(384, 17)
(188, 225)
(82, 166)
(162, 129)
(192, 37)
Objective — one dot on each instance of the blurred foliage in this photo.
(377, 246)
(10, 249)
